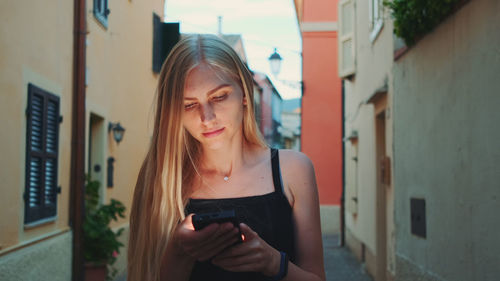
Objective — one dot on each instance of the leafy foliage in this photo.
(415, 18)
(101, 244)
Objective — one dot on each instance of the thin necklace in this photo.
(226, 178)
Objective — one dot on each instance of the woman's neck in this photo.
(224, 161)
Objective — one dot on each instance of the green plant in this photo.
(415, 18)
(101, 245)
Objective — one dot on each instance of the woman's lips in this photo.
(213, 133)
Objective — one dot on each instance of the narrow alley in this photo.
(340, 263)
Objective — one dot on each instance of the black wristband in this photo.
(283, 268)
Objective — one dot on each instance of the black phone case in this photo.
(204, 219)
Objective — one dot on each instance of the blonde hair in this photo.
(159, 198)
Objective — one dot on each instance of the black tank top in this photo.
(270, 215)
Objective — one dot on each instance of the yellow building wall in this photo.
(36, 46)
(121, 87)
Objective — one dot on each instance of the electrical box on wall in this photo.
(418, 221)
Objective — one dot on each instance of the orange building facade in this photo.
(322, 104)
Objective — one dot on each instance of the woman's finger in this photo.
(210, 253)
(223, 239)
(209, 237)
(215, 242)
(238, 250)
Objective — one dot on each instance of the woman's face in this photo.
(213, 107)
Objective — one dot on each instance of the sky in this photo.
(263, 24)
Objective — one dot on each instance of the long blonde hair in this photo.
(159, 198)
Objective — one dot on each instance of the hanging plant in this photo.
(415, 18)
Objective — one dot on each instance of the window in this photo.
(42, 146)
(101, 11)
(347, 47)
(376, 19)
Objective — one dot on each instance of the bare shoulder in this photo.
(295, 163)
(298, 174)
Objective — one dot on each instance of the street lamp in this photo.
(118, 131)
(275, 61)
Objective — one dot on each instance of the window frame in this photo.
(46, 210)
(101, 12)
(376, 18)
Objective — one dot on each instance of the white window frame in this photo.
(376, 18)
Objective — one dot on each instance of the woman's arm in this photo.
(299, 177)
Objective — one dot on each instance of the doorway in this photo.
(384, 204)
(97, 135)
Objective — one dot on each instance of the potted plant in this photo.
(100, 243)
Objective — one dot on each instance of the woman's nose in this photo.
(207, 113)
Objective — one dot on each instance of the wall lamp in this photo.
(118, 131)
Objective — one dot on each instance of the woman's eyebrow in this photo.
(211, 91)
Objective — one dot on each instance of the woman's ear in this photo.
(244, 100)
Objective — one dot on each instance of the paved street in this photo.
(340, 263)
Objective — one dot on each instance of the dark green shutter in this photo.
(157, 62)
(42, 145)
(165, 36)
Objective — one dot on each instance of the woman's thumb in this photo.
(188, 222)
(247, 232)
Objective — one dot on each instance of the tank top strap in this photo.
(275, 163)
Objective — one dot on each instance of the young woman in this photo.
(207, 154)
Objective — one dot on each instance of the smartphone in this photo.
(202, 220)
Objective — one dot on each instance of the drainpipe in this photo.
(342, 199)
(77, 181)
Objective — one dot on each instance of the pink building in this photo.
(322, 104)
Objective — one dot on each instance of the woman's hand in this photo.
(253, 254)
(205, 243)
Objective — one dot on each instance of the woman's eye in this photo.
(189, 106)
(220, 97)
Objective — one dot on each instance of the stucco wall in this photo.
(446, 114)
(319, 10)
(373, 72)
(121, 87)
(321, 101)
(321, 113)
(36, 46)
